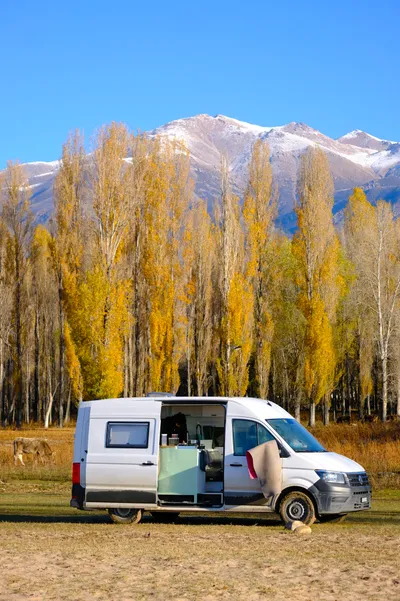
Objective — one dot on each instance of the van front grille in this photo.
(358, 479)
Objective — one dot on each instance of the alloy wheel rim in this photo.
(296, 510)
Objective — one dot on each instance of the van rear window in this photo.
(130, 435)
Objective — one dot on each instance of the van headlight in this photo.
(332, 477)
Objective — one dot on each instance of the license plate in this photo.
(364, 499)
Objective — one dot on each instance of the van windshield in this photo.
(297, 437)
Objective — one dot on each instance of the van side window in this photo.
(248, 434)
(130, 435)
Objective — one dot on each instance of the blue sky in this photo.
(332, 64)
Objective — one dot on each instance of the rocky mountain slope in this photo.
(356, 159)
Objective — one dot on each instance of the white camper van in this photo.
(166, 454)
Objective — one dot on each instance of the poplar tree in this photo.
(202, 246)
(136, 342)
(67, 251)
(46, 325)
(5, 322)
(235, 321)
(316, 249)
(259, 213)
(18, 219)
(104, 286)
(374, 246)
(167, 194)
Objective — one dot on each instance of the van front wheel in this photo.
(297, 505)
(120, 515)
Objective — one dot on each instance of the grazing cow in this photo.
(38, 447)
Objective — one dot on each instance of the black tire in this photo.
(120, 515)
(164, 516)
(332, 518)
(297, 505)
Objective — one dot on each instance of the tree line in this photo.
(132, 287)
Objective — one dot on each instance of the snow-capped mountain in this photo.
(356, 159)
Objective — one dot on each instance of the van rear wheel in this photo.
(121, 515)
(297, 505)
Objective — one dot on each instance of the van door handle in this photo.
(236, 464)
(148, 463)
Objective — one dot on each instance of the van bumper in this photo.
(77, 497)
(340, 498)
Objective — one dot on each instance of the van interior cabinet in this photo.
(180, 474)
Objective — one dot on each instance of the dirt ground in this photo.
(51, 552)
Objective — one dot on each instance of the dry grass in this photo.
(51, 552)
(60, 440)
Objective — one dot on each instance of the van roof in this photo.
(269, 409)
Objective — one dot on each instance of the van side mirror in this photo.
(283, 453)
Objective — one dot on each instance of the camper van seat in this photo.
(212, 464)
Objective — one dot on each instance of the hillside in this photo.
(356, 159)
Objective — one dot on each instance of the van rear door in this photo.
(122, 462)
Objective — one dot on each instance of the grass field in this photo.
(51, 552)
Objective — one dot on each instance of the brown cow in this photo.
(38, 447)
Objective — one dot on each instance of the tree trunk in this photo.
(27, 404)
(48, 411)
(18, 336)
(68, 409)
(297, 406)
(398, 399)
(3, 393)
(311, 421)
(126, 365)
(62, 356)
(334, 405)
(47, 417)
(325, 409)
(361, 401)
(2, 397)
(384, 388)
(36, 380)
(189, 371)
(348, 387)
(368, 404)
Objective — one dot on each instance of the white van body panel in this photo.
(81, 440)
(322, 461)
(128, 471)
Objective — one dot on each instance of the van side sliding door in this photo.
(122, 463)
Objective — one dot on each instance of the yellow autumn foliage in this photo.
(98, 322)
